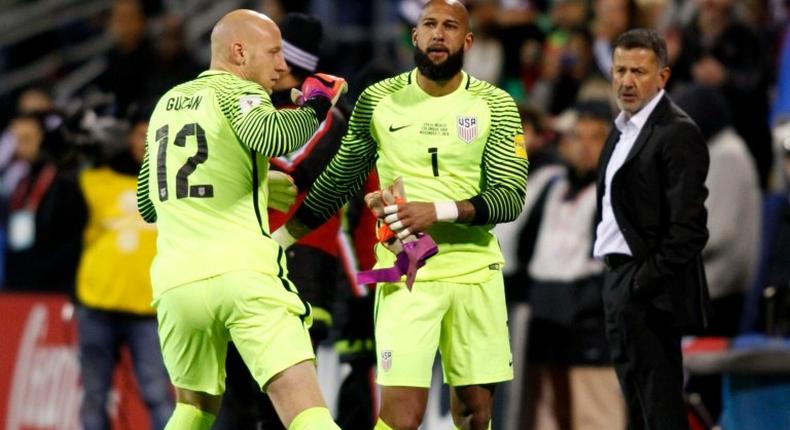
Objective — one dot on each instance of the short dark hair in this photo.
(644, 38)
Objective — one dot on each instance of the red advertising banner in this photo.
(40, 383)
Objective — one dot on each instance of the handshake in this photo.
(320, 85)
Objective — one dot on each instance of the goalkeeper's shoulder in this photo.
(383, 88)
(496, 98)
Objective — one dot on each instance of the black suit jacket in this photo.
(658, 198)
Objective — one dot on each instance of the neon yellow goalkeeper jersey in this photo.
(203, 179)
(464, 145)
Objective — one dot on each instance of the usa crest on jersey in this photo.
(246, 103)
(467, 128)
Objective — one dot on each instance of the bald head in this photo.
(455, 6)
(240, 26)
(248, 44)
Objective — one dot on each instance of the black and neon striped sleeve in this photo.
(345, 174)
(504, 165)
(144, 204)
(258, 124)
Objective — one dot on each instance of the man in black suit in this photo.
(651, 228)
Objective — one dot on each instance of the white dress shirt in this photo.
(609, 238)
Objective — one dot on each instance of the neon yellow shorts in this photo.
(466, 322)
(265, 319)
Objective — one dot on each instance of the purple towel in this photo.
(407, 262)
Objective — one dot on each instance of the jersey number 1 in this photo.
(183, 189)
(434, 160)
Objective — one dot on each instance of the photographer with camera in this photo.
(113, 284)
(45, 213)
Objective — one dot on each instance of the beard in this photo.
(442, 71)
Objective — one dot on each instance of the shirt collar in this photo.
(640, 118)
(211, 72)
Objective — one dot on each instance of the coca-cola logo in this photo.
(45, 389)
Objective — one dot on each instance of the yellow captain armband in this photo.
(520, 146)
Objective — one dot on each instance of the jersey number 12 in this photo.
(183, 189)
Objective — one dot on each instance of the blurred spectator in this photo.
(35, 99)
(571, 383)
(485, 58)
(720, 51)
(522, 40)
(46, 213)
(576, 66)
(656, 14)
(114, 289)
(775, 269)
(756, 14)
(13, 169)
(566, 58)
(734, 206)
(764, 310)
(568, 14)
(31, 101)
(612, 18)
(129, 61)
(276, 9)
(543, 166)
(781, 108)
(171, 63)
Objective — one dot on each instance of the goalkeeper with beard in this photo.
(457, 143)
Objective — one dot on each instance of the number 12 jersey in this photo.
(203, 179)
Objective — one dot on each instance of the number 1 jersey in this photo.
(465, 145)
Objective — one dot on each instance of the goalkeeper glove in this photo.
(320, 85)
(282, 191)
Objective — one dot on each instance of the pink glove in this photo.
(320, 85)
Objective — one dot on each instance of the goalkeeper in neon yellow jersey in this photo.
(217, 275)
(457, 143)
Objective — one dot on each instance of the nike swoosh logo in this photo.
(394, 129)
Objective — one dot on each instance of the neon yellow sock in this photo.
(317, 418)
(381, 425)
(188, 417)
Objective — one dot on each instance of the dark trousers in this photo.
(101, 336)
(646, 355)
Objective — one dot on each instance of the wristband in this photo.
(283, 237)
(446, 211)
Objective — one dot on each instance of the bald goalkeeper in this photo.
(217, 275)
(457, 143)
